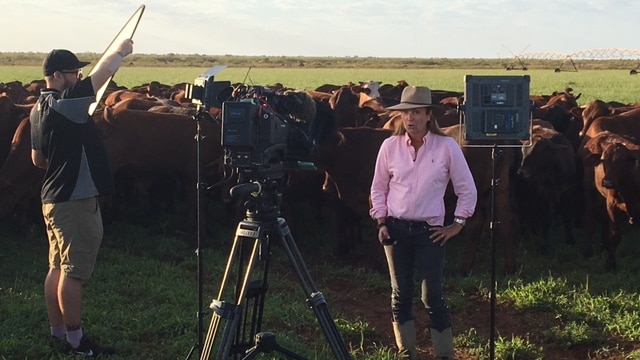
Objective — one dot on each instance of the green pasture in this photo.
(607, 85)
(144, 296)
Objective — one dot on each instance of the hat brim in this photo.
(407, 106)
(82, 64)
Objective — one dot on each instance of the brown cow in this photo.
(626, 124)
(614, 159)
(143, 104)
(348, 162)
(20, 180)
(122, 94)
(15, 91)
(599, 108)
(10, 116)
(156, 144)
(348, 113)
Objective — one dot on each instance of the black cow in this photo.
(548, 183)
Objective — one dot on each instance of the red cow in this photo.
(439, 95)
(599, 108)
(122, 94)
(626, 124)
(159, 145)
(20, 180)
(143, 104)
(10, 116)
(617, 178)
(348, 113)
(15, 91)
(348, 163)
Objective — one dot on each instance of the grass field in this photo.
(143, 296)
(607, 85)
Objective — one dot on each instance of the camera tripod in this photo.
(241, 336)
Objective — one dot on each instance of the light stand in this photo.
(497, 110)
(200, 113)
(205, 93)
(494, 285)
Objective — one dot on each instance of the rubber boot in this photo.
(406, 338)
(442, 344)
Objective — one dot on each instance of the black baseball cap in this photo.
(61, 60)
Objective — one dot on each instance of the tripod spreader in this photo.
(266, 343)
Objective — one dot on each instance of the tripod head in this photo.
(264, 197)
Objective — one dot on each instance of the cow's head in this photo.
(592, 111)
(617, 155)
(372, 88)
(559, 117)
(546, 143)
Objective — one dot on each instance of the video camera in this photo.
(263, 132)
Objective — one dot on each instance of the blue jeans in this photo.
(414, 251)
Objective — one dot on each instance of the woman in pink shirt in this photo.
(411, 175)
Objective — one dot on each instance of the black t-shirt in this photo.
(67, 136)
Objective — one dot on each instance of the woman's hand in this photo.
(442, 234)
(383, 235)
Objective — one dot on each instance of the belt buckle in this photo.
(413, 225)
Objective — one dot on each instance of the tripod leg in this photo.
(230, 311)
(314, 297)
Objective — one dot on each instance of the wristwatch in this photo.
(459, 220)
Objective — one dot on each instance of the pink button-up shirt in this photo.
(414, 189)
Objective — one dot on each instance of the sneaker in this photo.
(90, 349)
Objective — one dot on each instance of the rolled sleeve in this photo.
(463, 185)
(380, 185)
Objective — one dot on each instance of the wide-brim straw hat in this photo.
(414, 97)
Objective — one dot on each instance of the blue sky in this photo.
(371, 28)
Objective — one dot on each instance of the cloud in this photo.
(381, 28)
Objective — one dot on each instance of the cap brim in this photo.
(82, 64)
(406, 106)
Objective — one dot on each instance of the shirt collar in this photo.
(407, 139)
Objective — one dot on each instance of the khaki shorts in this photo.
(75, 233)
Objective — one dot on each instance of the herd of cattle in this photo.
(580, 166)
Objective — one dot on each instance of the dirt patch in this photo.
(358, 302)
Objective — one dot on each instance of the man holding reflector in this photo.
(67, 144)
